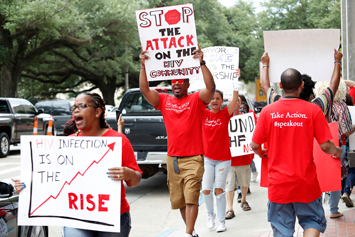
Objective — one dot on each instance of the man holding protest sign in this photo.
(290, 126)
(182, 115)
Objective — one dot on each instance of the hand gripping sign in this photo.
(169, 36)
(67, 183)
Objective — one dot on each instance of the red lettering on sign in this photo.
(102, 198)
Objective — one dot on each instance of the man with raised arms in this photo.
(182, 115)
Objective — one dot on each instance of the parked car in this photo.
(144, 127)
(60, 110)
(108, 108)
(17, 118)
(112, 112)
(8, 216)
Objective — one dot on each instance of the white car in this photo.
(111, 113)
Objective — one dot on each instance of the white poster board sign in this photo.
(67, 183)
(169, 36)
(352, 136)
(241, 128)
(222, 62)
(309, 51)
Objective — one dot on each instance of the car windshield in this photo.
(136, 103)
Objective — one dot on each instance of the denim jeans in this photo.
(252, 166)
(125, 229)
(215, 172)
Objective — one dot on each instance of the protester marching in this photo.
(299, 147)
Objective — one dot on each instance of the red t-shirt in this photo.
(352, 92)
(290, 126)
(215, 135)
(128, 160)
(183, 122)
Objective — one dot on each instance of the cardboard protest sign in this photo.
(309, 51)
(67, 183)
(169, 36)
(352, 136)
(328, 168)
(241, 128)
(222, 62)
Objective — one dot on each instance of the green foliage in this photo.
(114, 48)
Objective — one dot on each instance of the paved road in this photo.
(151, 213)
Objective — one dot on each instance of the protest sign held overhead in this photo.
(309, 51)
(241, 128)
(222, 62)
(67, 183)
(169, 36)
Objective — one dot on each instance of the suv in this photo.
(59, 109)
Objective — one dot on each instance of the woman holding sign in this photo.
(89, 116)
(217, 156)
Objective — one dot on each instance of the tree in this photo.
(30, 28)
(104, 62)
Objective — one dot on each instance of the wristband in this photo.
(203, 63)
(265, 66)
(337, 62)
(142, 67)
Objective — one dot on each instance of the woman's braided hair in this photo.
(100, 103)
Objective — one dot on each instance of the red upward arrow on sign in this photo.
(111, 146)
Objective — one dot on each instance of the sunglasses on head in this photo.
(180, 81)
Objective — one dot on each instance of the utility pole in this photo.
(348, 38)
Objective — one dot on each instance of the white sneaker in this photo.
(210, 221)
(221, 227)
(254, 176)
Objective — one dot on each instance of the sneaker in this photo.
(221, 227)
(347, 200)
(194, 234)
(254, 176)
(239, 199)
(210, 221)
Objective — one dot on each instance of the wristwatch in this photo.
(203, 63)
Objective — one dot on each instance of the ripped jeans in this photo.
(215, 172)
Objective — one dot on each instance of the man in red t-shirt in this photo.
(182, 115)
(289, 126)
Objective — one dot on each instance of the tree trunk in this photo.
(108, 91)
(9, 79)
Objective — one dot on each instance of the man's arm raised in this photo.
(265, 81)
(207, 93)
(335, 80)
(152, 96)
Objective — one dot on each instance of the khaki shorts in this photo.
(185, 187)
(242, 174)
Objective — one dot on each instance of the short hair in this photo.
(307, 90)
(220, 92)
(291, 80)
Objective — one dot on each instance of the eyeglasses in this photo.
(80, 107)
(180, 81)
